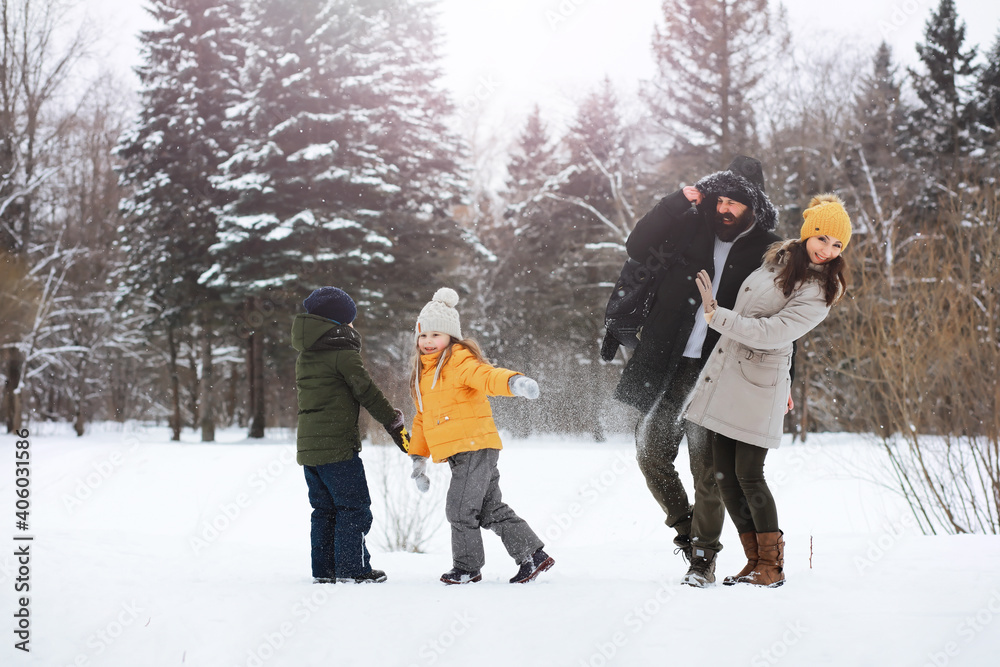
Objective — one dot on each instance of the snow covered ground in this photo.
(151, 553)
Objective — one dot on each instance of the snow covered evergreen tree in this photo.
(189, 79)
(571, 209)
(345, 173)
(521, 273)
(874, 153)
(711, 58)
(880, 113)
(515, 237)
(344, 150)
(601, 188)
(988, 104)
(882, 190)
(533, 156)
(941, 124)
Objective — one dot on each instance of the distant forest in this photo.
(155, 243)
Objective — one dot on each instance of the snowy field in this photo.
(150, 553)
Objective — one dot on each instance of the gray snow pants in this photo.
(474, 502)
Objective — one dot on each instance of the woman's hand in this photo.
(704, 282)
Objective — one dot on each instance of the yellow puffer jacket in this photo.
(456, 415)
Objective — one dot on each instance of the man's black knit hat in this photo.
(742, 182)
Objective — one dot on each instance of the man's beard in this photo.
(727, 233)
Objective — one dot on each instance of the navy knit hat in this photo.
(332, 303)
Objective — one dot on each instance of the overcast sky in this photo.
(556, 50)
(503, 56)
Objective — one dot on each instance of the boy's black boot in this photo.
(370, 577)
(537, 563)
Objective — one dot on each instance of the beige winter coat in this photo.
(742, 391)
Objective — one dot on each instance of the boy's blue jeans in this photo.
(341, 517)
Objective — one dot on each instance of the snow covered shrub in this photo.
(405, 517)
(950, 482)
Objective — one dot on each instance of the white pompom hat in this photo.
(440, 315)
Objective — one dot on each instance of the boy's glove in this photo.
(397, 430)
(419, 474)
(522, 385)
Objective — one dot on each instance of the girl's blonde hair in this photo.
(468, 343)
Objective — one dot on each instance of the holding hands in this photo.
(704, 282)
(397, 431)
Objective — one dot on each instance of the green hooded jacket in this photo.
(332, 383)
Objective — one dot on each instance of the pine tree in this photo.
(427, 177)
(988, 104)
(570, 211)
(712, 57)
(531, 161)
(880, 113)
(346, 172)
(175, 147)
(517, 236)
(518, 281)
(872, 163)
(939, 133)
(601, 187)
(190, 70)
(523, 238)
(585, 216)
(303, 166)
(345, 147)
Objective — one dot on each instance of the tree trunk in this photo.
(175, 386)
(207, 383)
(233, 412)
(12, 390)
(120, 390)
(256, 375)
(194, 390)
(725, 112)
(79, 418)
(804, 408)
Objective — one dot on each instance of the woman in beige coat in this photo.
(742, 393)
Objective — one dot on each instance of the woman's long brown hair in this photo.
(796, 271)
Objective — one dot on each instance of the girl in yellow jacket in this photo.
(450, 382)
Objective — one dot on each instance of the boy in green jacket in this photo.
(332, 384)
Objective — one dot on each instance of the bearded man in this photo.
(723, 224)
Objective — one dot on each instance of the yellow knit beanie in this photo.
(826, 216)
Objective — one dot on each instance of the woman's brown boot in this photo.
(770, 570)
(749, 541)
